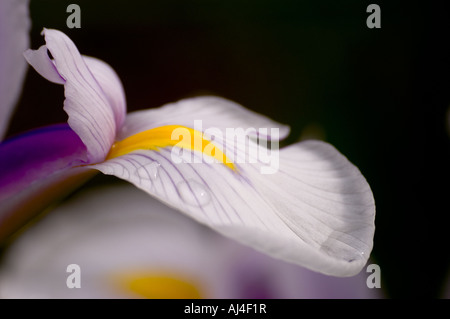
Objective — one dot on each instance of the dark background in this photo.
(379, 95)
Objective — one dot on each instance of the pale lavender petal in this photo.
(214, 112)
(316, 210)
(88, 99)
(306, 204)
(102, 72)
(33, 164)
(14, 39)
(255, 276)
(111, 85)
(43, 65)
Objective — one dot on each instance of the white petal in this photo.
(111, 86)
(106, 77)
(214, 112)
(316, 210)
(43, 65)
(94, 101)
(14, 39)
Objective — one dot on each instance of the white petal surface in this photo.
(94, 101)
(105, 76)
(43, 65)
(111, 86)
(14, 39)
(214, 112)
(316, 210)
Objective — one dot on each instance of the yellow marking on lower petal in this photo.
(166, 136)
(157, 286)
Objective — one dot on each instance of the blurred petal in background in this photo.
(118, 236)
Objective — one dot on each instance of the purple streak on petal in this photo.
(37, 154)
(111, 86)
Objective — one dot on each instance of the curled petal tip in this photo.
(95, 99)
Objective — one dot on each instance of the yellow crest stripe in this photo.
(167, 136)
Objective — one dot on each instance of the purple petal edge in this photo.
(32, 155)
(38, 168)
